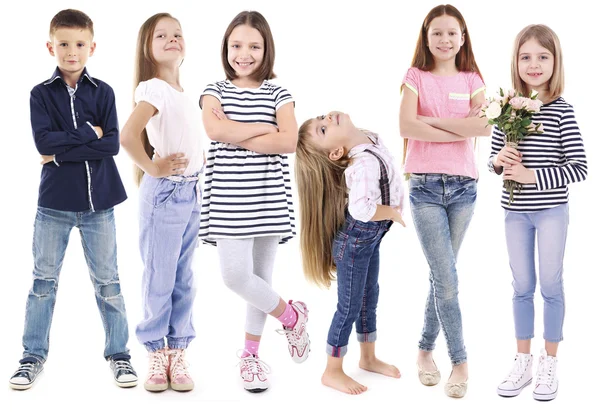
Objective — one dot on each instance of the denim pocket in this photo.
(164, 192)
(365, 235)
(339, 245)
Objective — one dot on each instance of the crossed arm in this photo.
(258, 137)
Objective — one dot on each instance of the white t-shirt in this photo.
(177, 126)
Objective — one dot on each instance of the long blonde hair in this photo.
(146, 68)
(323, 196)
(548, 39)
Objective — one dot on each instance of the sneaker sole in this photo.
(185, 387)
(256, 390)
(506, 393)
(156, 388)
(126, 384)
(18, 387)
(544, 396)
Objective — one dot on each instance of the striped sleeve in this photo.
(574, 167)
(282, 96)
(214, 90)
(497, 144)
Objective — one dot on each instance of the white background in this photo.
(330, 55)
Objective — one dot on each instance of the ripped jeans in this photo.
(98, 239)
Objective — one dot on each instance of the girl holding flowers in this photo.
(543, 164)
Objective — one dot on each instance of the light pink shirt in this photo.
(362, 179)
(442, 97)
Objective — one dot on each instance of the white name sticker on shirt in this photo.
(459, 96)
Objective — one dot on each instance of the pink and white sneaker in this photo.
(297, 336)
(158, 363)
(253, 372)
(179, 375)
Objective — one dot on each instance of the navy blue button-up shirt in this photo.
(84, 175)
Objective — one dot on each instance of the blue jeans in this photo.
(551, 228)
(50, 239)
(442, 207)
(169, 225)
(356, 255)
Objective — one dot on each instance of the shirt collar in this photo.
(84, 75)
(362, 147)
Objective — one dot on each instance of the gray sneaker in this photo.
(124, 374)
(28, 371)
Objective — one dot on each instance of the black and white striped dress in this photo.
(247, 194)
(557, 156)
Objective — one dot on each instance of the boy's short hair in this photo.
(71, 18)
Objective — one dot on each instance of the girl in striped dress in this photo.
(247, 207)
(545, 164)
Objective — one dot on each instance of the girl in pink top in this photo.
(441, 100)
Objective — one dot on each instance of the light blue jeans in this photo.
(169, 224)
(442, 207)
(550, 225)
(98, 239)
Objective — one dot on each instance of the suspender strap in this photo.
(384, 181)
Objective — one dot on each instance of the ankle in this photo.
(425, 355)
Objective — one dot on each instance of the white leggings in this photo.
(247, 269)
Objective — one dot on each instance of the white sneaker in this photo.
(519, 377)
(253, 372)
(546, 383)
(298, 339)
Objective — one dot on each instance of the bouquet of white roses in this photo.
(511, 112)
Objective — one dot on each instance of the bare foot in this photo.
(377, 366)
(425, 361)
(460, 374)
(337, 379)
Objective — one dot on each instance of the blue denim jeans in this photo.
(442, 207)
(98, 238)
(169, 225)
(550, 225)
(356, 255)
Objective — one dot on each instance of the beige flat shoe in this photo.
(456, 390)
(429, 378)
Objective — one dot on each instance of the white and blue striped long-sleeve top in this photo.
(557, 156)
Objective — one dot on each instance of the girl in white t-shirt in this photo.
(163, 137)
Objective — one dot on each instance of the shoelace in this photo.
(158, 363)
(545, 375)
(26, 368)
(178, 363)
(518, 369)
(292, 336)
(254, 365)
(124, 366)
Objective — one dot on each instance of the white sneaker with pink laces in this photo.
(297, 336)
(253, 372)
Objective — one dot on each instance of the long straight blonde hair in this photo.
(146, 68)
(323, 197)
